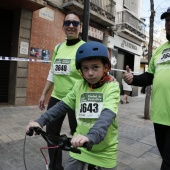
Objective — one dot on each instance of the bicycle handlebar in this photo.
(62, 141)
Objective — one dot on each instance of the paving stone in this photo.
(150, 139)
(126, 140)
(145, 164)
(130, 150)
(125, 158)
(137, 147)
(142, 146)
(154, 150)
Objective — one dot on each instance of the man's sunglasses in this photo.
(74, 23)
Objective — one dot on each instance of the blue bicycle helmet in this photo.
(89, 50)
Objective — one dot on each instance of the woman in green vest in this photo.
(62, 76)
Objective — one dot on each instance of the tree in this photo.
(148, 89)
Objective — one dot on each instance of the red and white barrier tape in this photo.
(23, 59)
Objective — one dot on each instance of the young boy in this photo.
(95, 101)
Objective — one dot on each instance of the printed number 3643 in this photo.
(91, 107)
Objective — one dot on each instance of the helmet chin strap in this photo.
(105, 78)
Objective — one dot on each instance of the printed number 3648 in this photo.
(61, 68)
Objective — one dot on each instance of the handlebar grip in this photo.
(88, 145)
(32, 130)
(75, 150)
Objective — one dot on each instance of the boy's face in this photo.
(93, 70)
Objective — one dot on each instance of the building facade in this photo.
(15, 35)
(35, 28)
(158, 39)
(129, 34)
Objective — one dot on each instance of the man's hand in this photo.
(128, 76)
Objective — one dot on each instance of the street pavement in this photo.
(137, 148)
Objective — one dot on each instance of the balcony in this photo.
(129, 24)
(99, 15)
(31, 5)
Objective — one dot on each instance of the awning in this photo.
(31, 5)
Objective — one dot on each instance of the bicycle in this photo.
(61, 142)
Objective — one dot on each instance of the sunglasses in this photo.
(74, 23)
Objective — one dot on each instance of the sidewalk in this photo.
(137, 148)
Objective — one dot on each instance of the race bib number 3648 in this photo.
(62, 66)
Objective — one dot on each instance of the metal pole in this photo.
(86, 18)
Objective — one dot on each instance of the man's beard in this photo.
(168, 36)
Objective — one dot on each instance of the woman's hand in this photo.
(79, 140)
(41, 102)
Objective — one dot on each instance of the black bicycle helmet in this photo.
(89, 50)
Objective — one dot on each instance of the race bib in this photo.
(91, 105)
(165, 57)
(62, 66)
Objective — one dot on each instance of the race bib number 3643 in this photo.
(91, 105)
(62, 66)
